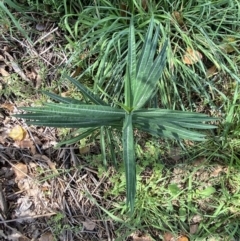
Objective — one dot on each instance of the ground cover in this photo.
(186, 190)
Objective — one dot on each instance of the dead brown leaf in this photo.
(77, 71)
(17, 236)
(49, 38)
(89, 225)
(145, 237)
(228, 45)
(34, 75)
(178, 17)
(20, 170)
(84, 150)
(199, 161)
(3, 72)
(168, 237)
(191, 56)
(16, 68)
(8, 106)
(217, 171)
(193, 228)
(211, 71)
(175, 153)
(46, 237)
(26, 144)
(47, 160)
(18, 133)
(183, 238)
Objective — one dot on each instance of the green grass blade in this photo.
(23, 32)
(103, 146)
(86, 92)
(62, 99)
(77, 138)
(129, 160)
(111, 143)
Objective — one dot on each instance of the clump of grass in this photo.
(101, 31)
(197, 199)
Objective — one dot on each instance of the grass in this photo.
(198, 188)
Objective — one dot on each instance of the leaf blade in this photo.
(129, 160)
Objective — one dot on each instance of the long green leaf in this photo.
(172, 115)
(77, 138)
(86, 92)
(147, 85)
(103, 146)
(5, 9)
(62, 99)
(76, 110)
(168, 130)
(78, 124)
(129, 160)
(131, 67)
(144, 57)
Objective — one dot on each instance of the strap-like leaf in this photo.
(86, 92)
(78, 124)
(131, 67)
(172, 115)
(72, 110)
(147, 85)
(129, 160)
(84, 134)
(169, 130)
(62, 99)
(144, 57)
(141, 81)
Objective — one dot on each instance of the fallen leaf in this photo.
(228, 44)
(77, 71)
(144, 4)
(84, 150)
(3, 72)
(20, 171)
(17, 236)
(193, 228)
(218, 170)
(16, 68)
(27, 144)
(49, 38)
(89, 225)
(18, 133)
(178, 17)
(51, 164)
(175, 153)
(183, 238)
(10, 107)
(142, 238)
(168, 237)
(46, 237)
(191, 56)
(211, 71)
